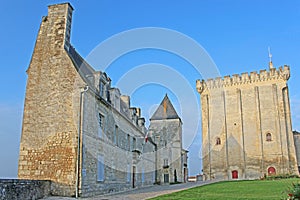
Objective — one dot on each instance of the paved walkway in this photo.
(141, 193)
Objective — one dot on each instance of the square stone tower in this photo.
(166, 131)
(246, 125)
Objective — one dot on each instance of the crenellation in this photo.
(227, 80)
(236, 79)
(218, 82)
(245, 78)
(285, 72)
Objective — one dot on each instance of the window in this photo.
(268, 137)
(116, 135)
(128, 142)
(153, 176)
(128, 173)
(100, 125)
(101, 88)
(100, 168)
(165, 162)
(218, 141)
(143, 175)
(133, 144)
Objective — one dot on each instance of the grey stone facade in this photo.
(166, 131)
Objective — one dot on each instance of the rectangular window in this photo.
(153, 177)
(101, 88)
(100, 125)
(133, 144)
(116, 135)
(128, 173)
(100, 168)
(165, 162)
(143, 175)
(128, 142)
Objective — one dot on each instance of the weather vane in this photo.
(270, 57)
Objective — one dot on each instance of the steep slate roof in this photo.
(165, 110)
(83, 68)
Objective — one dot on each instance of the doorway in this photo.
(271, 171)
(235, 174)
(166, 178)
(133, 176)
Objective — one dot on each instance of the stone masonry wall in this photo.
(48, 149)
(240, 112)
(114, 143)
(14, 189)
(167, 134)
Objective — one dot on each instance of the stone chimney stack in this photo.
(58, 24)
(126, 100)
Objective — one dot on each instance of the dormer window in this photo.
(101, 88)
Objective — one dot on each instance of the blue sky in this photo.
(236, 35)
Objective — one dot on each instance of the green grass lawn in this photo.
(257, 189)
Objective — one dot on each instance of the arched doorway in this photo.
(235, 174)
(271, 171)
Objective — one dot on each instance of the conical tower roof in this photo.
(165, 110)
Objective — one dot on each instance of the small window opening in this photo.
(218, 141)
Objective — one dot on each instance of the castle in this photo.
(83, 134)
(246, 125)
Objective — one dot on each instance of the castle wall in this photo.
(241, 111)
(49, 133)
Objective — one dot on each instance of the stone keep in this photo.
(246, 125)
(78, 131)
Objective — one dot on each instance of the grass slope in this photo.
(257, 189)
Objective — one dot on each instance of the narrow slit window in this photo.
(100, 125)
(269, 137)
(218, 141)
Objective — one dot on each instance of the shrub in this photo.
(294, 192)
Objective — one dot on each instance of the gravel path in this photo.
(141, 193)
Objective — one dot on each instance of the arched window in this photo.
(218, 141)
(268, 137)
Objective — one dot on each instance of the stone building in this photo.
(166, 131)
(246, 125)
(297, 147)
(78, 131)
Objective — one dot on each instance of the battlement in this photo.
(244, 78)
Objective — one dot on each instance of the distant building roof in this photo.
(296, 132)
(165, 110)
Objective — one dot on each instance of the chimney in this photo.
(59, 21)
(126, 100)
